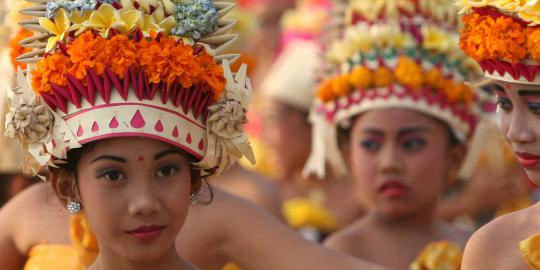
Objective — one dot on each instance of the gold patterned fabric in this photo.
(78, 256)
(441, 255)
(530, 250)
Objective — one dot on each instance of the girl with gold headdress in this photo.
(396, 114)
(502, 37)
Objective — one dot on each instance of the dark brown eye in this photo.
(166, 171)
(113, 176)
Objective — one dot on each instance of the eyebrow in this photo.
(529, 92)
(113, 158)
(498, 88)
(166, 153)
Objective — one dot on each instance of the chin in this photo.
(533, 175)
(394, 212)
(146, 254)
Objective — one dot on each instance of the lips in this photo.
(393, 189)
(528, 161)
(147, 233)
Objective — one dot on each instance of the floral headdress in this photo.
(118, 68)
(503, 37)
(392, 54)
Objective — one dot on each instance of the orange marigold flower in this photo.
(458, 92)
(434, 78)
(507, 40)
(212, 74)
(119, 54)
(87, 52)
(486, 38)
(17, 50)
(475, 29)
(50, 70)
(383, 77)
(533, 42)
(183, 66)
(152, 60)
(409, 73)
(361, 77)
(341, 86)
(324, 92)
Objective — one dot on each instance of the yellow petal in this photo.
(121, 27)
(77, 18)
(130, 17)
(168, 24)
(48, 25)
(107, 14)
(51, 43)
(62, 21)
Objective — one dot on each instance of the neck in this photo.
(422, 220)
(108, 259)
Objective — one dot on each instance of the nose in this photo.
(391, 160)
(144, 199)
(518, 131)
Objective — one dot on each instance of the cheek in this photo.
(427, 169)
(99, 207)
(505, 121)
(363, 167)
(176, 199)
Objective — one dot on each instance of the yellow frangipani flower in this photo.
(59, 28)
(128, 21)
(439, 41)
(509, 5)
(530, 12)
(107, 17)
(77, 20)
(148, 24)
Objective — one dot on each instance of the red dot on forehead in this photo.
(141, 158)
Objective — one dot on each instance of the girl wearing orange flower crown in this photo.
(396, 114)
(502, 36)
(130, 105)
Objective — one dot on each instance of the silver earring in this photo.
(193, 198)
(74, 207)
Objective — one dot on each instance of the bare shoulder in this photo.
(495, 245)
(37, 203)
(346, 240)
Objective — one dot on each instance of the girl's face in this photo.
(288, 133)
(135, 194)
(400, 161)
(519, 106)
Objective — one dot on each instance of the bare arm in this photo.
(257, 241)
(10, 257)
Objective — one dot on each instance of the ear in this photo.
(65, 185)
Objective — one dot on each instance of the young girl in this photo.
(509, 56)
(131, 105)
(398, 106)
(313, 206)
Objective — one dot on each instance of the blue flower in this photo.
(71, 5)
(195, 20)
